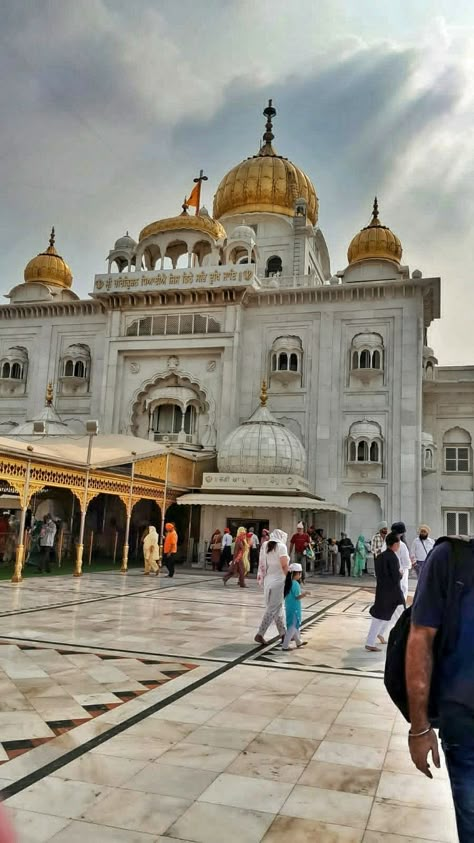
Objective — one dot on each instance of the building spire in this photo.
(375, 214)
(49, 392)
(263, 394)
(269, 112)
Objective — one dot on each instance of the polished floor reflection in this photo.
(139, 709)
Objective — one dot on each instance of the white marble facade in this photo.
(177, 337)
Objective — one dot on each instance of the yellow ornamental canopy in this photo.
(265, 183)
(48, 267)
(185, 222)
(375, 242)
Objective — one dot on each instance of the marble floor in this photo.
(138, 709)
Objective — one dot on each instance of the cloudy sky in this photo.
(110, 108)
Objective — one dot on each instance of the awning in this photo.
(262, 501)
(108, 450)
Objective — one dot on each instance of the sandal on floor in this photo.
(373, 649)
(303, 644)
(260, 639)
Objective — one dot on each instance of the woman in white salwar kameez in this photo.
(272, 571)
(151, 552)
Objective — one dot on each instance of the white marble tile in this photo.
(101, 769)
(171, 780)
(328, 806)
(83, 832)
(35, 828)
(428, 824)
(137, 811)
(350, 754)
(59, 798)
(247, 792)
(204, 823)
(221, 736)
(296, 830)
(266, 767)
(200, 756)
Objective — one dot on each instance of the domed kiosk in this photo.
(260, 480)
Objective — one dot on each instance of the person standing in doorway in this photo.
(226, 552)
(420, 548)
(151, 551)
(388, 592)
(47, 536)
(253, 549)
(272, 570)
(346, 549)
(170, 547)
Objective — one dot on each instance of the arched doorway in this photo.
(64, 508)
(366, 514)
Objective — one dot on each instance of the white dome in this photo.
(126, 242)
(243, 232)
(262, 445)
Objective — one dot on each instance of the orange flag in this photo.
(193, 199)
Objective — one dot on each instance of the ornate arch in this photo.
(180, 378)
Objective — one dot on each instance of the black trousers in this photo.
(168, 560)
(47, 556)
(345, 563)
(254, 557)
(226, 557)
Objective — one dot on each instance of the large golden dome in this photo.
(265, 183)
(48, 267)
(375, 242)
(184, 221)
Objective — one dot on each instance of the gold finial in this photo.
(185, 206)
(375, 213)
(49, 393)
(52, 238)
(263, 394)
(269, 112)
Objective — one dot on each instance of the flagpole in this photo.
(199, 180)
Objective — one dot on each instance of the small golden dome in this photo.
(184, 221)
(265, 183)
(375, 242)
(48, 267)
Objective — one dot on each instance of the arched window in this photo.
(167, 419)
(362, 452)
(293, 362)
(365, 359)
(79, 369)
(353, 452)
(68, 369)
(190, 419)
(428, 458)
(6, 370)
(376, 360)
(283, 362)
(274, 266)
(355, 360)
(16, 371)
(374, 452)
(457, 450)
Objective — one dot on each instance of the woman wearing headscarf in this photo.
(151, 551)
(272, 571)
(215, 546)
(360, 557)
(241, 553)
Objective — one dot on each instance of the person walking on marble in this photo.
(293, 598)
(272, 570)
(236, 568)
(388, 592)
(403, 554)
(47, 536)
(298, 544)
(170, 548)
(151, 551)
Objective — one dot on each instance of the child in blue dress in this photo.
(293, 598)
